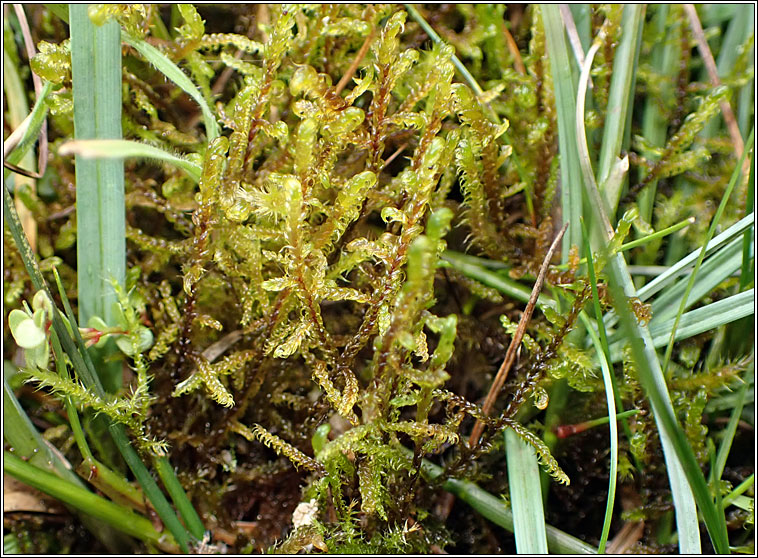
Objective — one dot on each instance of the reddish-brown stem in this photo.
(510, 355)
(710, 65)
(518, 63)
(356, 62)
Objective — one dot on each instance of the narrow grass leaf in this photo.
(748, 271)
(85, 370)
(100, 207)
(24, 439)
(526, 495)
(565, 99)
(125, 149)
(172, 72)
(618, 119)
(728, 437)
(716, 269)
(739, 490)
(113, 514)
(612, 396)
(711, 231)
(682, 466)
(697, 321)
(468, 266)
(685, 476)
(23, 138)
(654, 123)
(740, 227)
(706, 318)
(179, 497)
(496, 510)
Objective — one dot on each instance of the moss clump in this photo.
(306, 331)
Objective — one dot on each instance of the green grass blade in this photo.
(494, 509)
(172, 72)
(27, 443)
(680, 460)
(526, 495)
(740, 489)
(716, 269)
(748, 270)
(24, 439)
(706, 318)
(740, 28)
(654, 123)
(685, 475)
(728, 437)
(618, 121)
(73, 415)
(645, 239)
(113, 514)
(162, 507)
(565, 100)
(740, 227)
(124, 149)
(60, 10)
(656, 235)
(612, 395)
(100, 207)
(30, 128)
(85, 368)
(179, 497)
(701, 256)
(470, 267)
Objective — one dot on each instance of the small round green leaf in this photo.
(24, 330)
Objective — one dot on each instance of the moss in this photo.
(299, 283)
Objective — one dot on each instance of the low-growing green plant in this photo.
(299, 332)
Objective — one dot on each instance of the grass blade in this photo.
(23, 138)
(654, 122)
(618, 121)
(701, 256)
(718, 268)
(681, 462)
(25, 440)
(115, 149)
(172, 72)
(685, 475)
(113, 514)
(565, 100)
(726, 441)
(494, 509)
(612, 395)
(706, 318)
(526, 501)
(179, 497)
(740, 227)
(17, 110)
(748, 271)
(469, 266)
(100, 213)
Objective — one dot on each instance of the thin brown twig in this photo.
(356, 62)
(392, 157)
(710, 65)
(510, 355)
(518, 63)
(220, 83)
